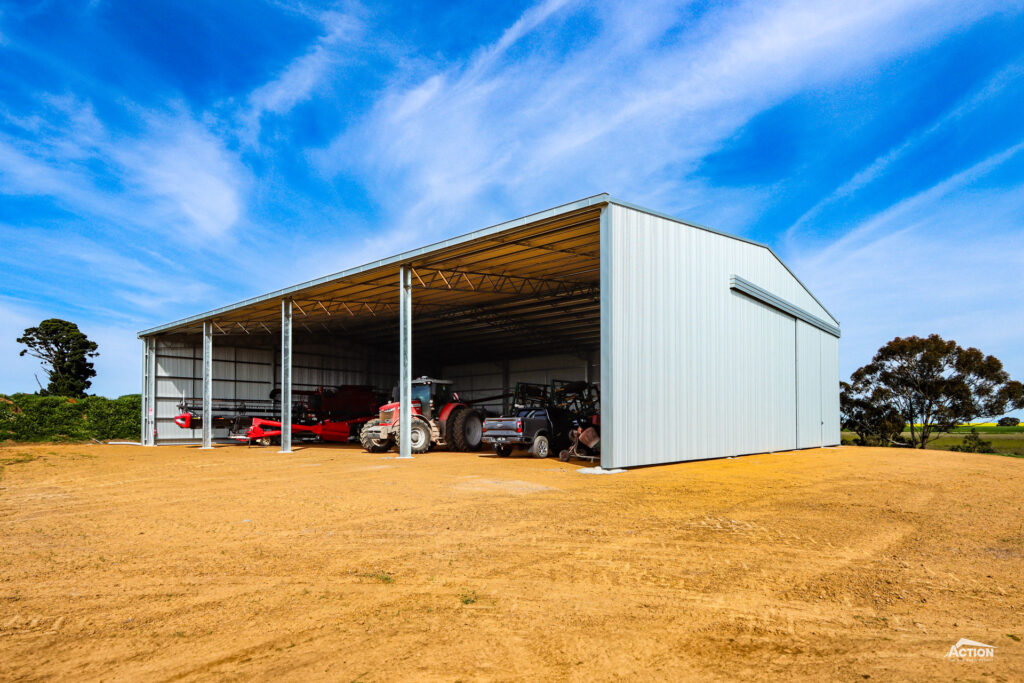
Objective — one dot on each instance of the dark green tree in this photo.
(869, 415)
(65, 352)
(973, 443)
(935, 385)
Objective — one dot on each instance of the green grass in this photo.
(15, 459)
(990, 429)
(1004, 443)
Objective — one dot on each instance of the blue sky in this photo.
(158, 159)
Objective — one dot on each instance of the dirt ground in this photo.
(119, 562)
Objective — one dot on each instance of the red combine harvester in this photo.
(439, 418)
(328, 413)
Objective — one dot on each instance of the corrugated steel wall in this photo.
(829, 389)
(808, 386)
(690, 368)
(246, 373)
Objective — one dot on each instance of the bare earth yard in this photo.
(118, 562)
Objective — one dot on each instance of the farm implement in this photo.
(582, 400)
(265, 432)
(327, 413)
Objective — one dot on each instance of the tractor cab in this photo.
(431, 395)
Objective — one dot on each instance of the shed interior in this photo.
(516, 302)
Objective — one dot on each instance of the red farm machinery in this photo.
(333, 414)
(439, 418)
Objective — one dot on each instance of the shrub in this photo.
(1009, 422)
(28, 417)
(973, 443)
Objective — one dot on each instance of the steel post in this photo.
(207, 384)
(146, 434)
(405, 361)
(150, 361)
(286, 376)
(608, 413)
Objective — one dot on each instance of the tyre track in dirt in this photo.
(179, 564)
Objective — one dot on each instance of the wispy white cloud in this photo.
(944, 260)
(173, 175)
(300, 78)
(641, 100)
(189, 171)
(114, 276)
(903, 211)
(169, 220)
(995, 87)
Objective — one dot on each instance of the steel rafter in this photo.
(458, 280)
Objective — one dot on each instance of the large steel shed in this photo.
(705, 344)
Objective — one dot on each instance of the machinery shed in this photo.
(705, 344)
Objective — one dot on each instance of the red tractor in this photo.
(439, 418)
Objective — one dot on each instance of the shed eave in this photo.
(397, 259)
(581, 204)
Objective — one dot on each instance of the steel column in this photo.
(405, 361)
(207, 384)
(153, 403)
(286, 376)
(145, 427)
(607, 292)
(151, 390)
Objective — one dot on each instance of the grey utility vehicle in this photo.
(535, 425)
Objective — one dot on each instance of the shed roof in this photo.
(535, 278)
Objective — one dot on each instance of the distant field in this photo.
(990, 429)
(1005, 440)
(984, 428)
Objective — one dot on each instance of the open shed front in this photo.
(705, 345)
(514, 302)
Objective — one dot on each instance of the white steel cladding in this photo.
(829, 389)
(691, 368)
(808, 386)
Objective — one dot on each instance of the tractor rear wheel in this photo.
(370, 443)
(467, 430)
(419, 436)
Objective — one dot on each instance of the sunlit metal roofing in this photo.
(522, 285)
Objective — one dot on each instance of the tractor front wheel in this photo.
(367, 437)
(467, 430)
(419, 436)
(504, 450)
